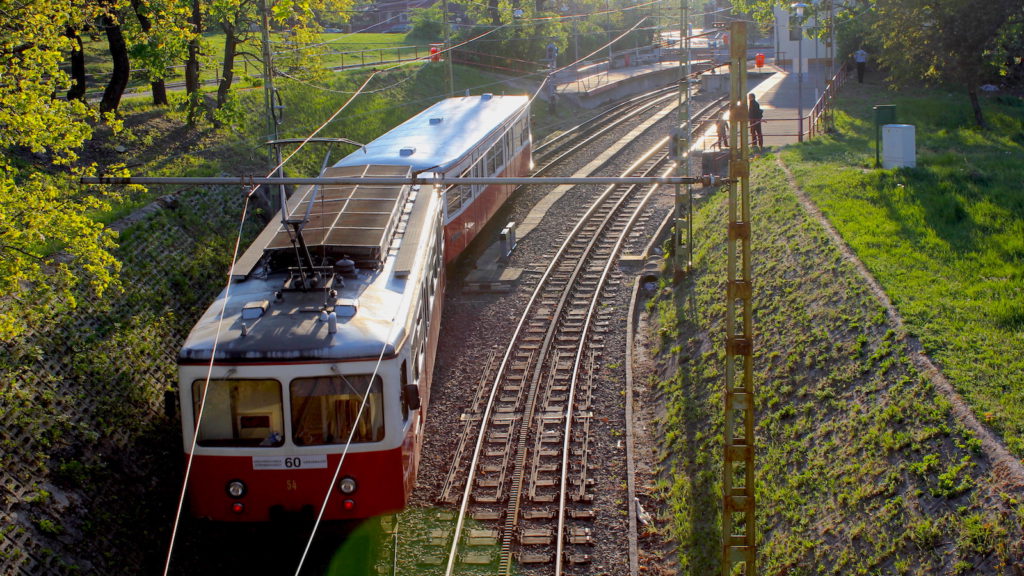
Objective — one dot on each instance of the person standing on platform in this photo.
(861, 58)
(756, 116)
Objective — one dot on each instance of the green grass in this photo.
(945, 239)
(335, 50)
(861, 466)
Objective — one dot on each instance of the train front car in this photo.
(473, 136)
(321, 349)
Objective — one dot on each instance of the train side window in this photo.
(478, 172)
(432, 270)
(495, 158)
(524, 134)
(243, 413)
(455, 195)
(326, 410)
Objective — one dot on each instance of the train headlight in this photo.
(347, 485)
(236, 488)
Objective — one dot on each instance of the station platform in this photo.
(779, 91)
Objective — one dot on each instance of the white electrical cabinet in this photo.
(898, 149)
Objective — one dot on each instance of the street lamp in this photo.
(799, 7)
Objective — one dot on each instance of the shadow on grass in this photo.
(701, 462)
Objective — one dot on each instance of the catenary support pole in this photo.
(739, 534)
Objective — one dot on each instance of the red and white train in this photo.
(323, 344)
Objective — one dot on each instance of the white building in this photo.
(787, 39)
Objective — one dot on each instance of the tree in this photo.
(162, 40)
(235, 18)
(195, 29)
(954, 41)
(958, 42)
(111, 23)
(49, 247)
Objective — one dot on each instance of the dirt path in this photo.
(1007, 471)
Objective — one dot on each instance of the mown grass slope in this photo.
(944, 239)
(862, 467)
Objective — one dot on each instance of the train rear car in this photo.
(478, 136)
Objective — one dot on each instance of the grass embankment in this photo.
(862, 468)
(945, 239)
(90, 467)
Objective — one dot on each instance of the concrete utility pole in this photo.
(268, 72)
(270, 96)
(448, 49)
(682, 235)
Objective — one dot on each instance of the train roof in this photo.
(272, 312)
(440, 134)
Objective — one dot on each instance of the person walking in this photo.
(722, 126)
(756, 116)
(861, 58)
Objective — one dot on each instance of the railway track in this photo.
(568, 142)
(522, 479)
(525, 482)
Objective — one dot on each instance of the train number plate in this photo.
(304, 462)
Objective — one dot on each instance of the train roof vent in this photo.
(407, 151)
(486, 96)
(436, 120)
(254, 310)
(346, 307)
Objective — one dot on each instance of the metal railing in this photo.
(821, 117)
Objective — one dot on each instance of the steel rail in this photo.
(572, 237)
(571, 147)
(567, 294)
(565, 137)
(495, 386)
(503, 366)
(485, 420)
(567, 434)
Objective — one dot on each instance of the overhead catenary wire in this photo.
(252, 188)
(206, 389)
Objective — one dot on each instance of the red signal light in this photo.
(238, 507)
(348, 505)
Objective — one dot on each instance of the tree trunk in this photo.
(122, 66)
(228, 75)
(495, 12)
(159, 91)
(77, 90)
(979, 119)
(158, 87)
(192, 64)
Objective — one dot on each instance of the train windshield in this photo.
(326, 410)
(239, 413)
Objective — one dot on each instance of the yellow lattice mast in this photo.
(739, 534)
